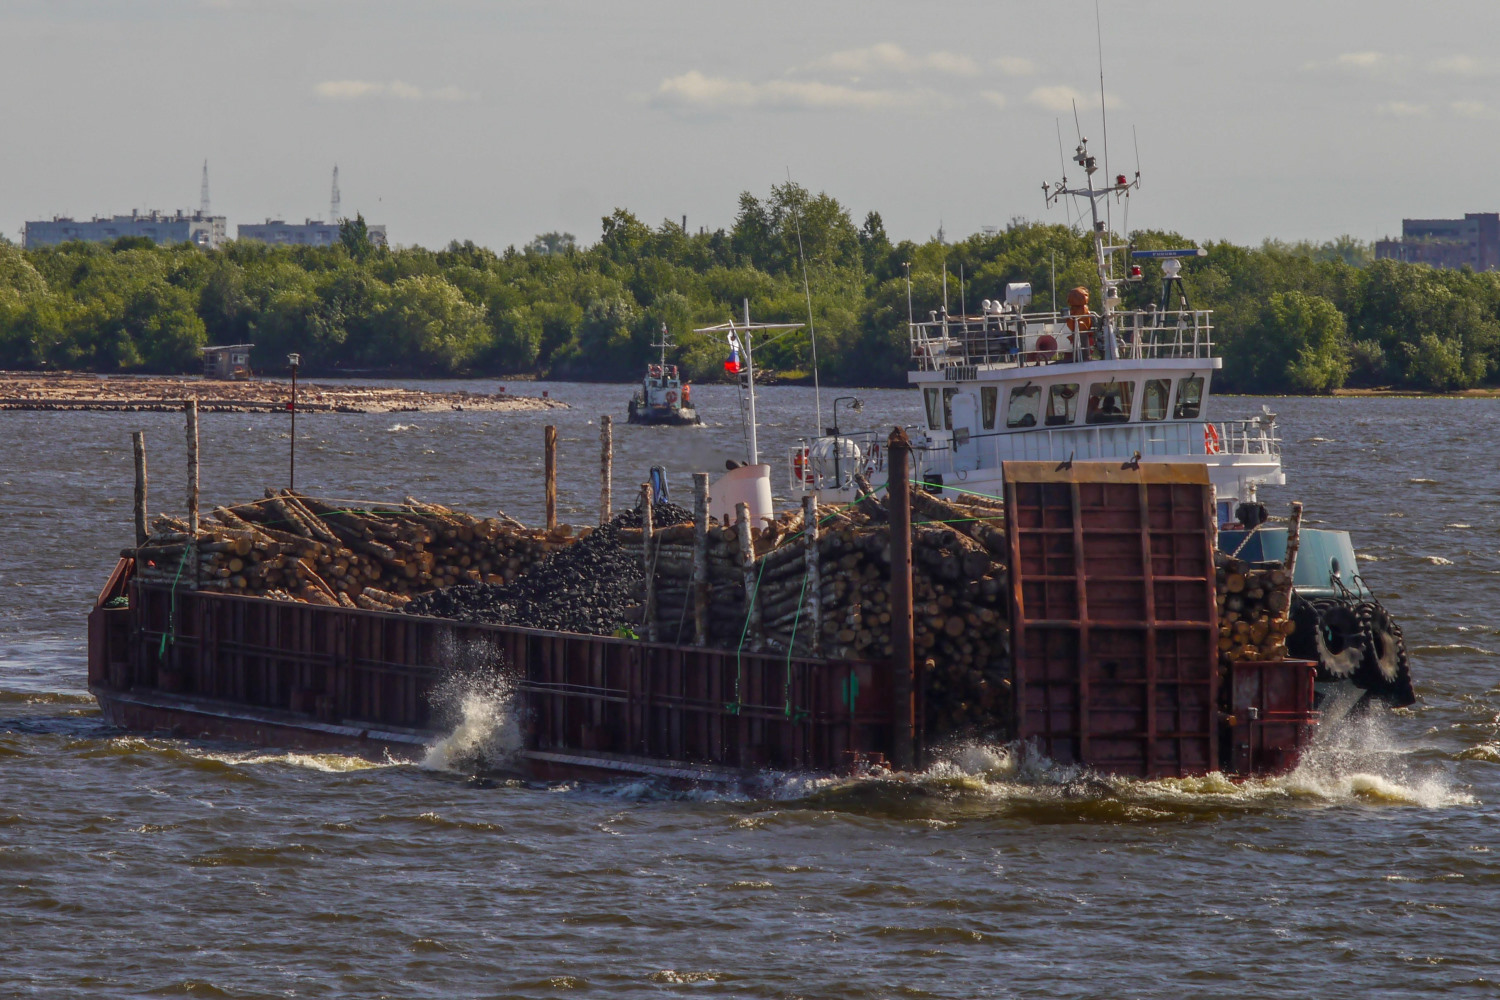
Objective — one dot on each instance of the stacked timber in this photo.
(833, 599)
(1253, 603)
(289, 546)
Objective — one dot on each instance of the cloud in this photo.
(1015, 66)
(1402, 109)
(993, 98)
(886, 57)
(1473, 109)
(1461, 65)
(1059, 98)
(696, 92)
(356, 90)
(1362, 60)
(1368, 62)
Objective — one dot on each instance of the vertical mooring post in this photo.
(138, 439)
(192, 491)
(1293, 540)
(747, 569)
(700, 559)
(549, 443)
(814, 583)
(903, 661)
(606, 467)
(648, 601)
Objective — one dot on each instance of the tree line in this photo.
(1289, 317)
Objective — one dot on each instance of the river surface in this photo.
(134, 866)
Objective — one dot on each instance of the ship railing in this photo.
(1256, 436)
(963, 453)
(829, 464)
(1018, 339)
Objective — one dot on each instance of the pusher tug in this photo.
(663, 397)
(1117, 385)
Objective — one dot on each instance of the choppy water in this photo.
(132, 866)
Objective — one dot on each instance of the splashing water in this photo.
(485, 734)
(1355, 760)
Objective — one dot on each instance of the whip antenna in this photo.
(807, 292)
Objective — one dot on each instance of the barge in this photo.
(1110, 660)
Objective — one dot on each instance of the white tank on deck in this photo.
(749, 484)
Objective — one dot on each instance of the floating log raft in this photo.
(293, 546)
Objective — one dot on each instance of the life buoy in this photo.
(802, 471)
(1210, 439)
(1046, 347)
(671, 396)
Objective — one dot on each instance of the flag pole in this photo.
(750, 378)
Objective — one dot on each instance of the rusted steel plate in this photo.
(1272, 715)
(578, 693)
(1113, 617)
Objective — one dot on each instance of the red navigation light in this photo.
(1120, 179)
(1135, 270)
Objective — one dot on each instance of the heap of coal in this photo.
(593, 586)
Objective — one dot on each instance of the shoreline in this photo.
(134, 393)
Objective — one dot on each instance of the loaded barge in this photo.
(1096, 617)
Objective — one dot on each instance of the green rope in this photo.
(733, 708)
(797, 618)
(172, 609)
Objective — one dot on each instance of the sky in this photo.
(496, 121)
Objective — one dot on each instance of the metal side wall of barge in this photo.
(216, 665)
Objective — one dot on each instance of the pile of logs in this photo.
(1254, 602)
(295, 547)
(833, 598)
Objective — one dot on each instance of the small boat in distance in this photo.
(663, 397)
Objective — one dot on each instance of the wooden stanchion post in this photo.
(606, 467)
(192, 492)
(903, 659)
(648, 609)
(138, 439)
(814, 584)
(549, 439)
(700, 559)
(747, 569)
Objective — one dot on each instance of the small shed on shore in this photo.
(227, 361)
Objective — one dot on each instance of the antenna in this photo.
(203, 192)
(334, 201)
(807, 293)
(1103, 113)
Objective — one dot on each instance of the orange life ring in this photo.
(1210, 439)
(671, 397)
(801, 468)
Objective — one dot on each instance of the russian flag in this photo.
(732, 366)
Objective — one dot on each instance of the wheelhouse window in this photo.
(1109, 402)
(1062, 404)
(1189, 398)
(1155, 396)
(948, 395)
(989, 401)
(1024, 404)
(934, 414)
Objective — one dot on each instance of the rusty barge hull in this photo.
(1113, 659)
(201, 664)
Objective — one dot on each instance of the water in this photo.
(151, 867)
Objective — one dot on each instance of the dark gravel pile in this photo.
(592, 586)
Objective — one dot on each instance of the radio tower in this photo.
(333, 207)
(203, 194)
